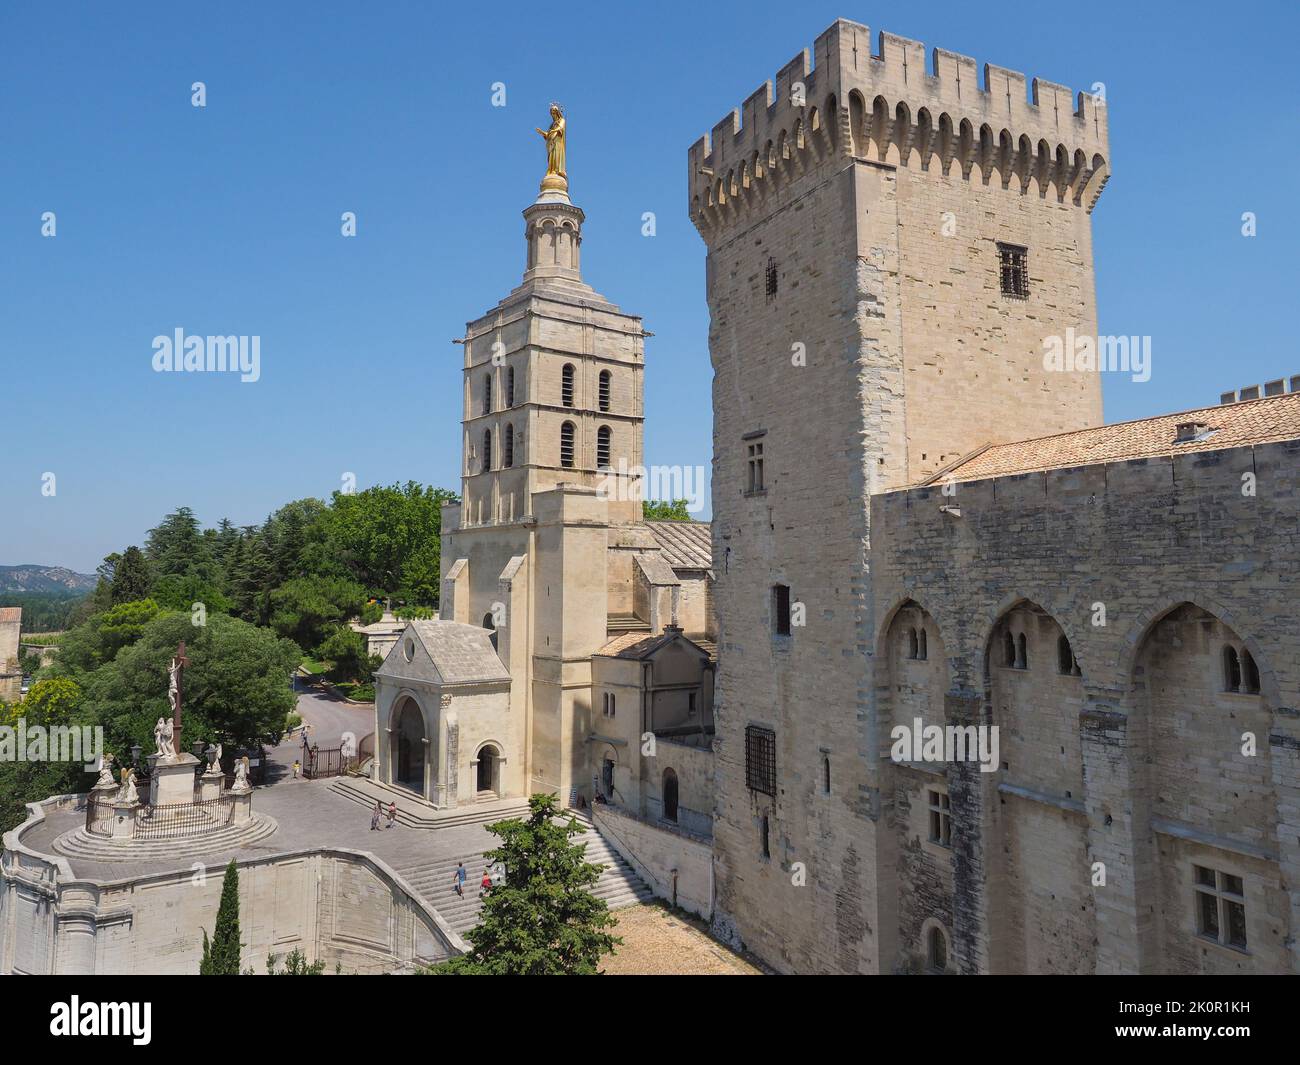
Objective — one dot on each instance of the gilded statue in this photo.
(554, 143)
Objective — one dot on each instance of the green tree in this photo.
(252, 577)
(664, 510)
(97, 641)
(178, 592)
(177, 545)
(295, 964)
(236, 687)
(543, 920)
(307, 609)
(221, 953)
(389, 538)
(55, 701)
(349, 651)
(131, 577)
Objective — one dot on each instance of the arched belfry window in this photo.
(508, 447)
(566, 385)
(1231, 670)
(1022, 652)
(602, 447)
(487, 450)
(913, 644)
(1008, 649)
(510, 386)
(566, 445)
(936, 951)
(1249, 672)
(604, 390)
(670, 795)
(1065, 663)
(487, 393)
(922, 648)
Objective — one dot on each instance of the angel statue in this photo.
(241, 775)
(215, 767)
(162, 736)
(128, 794)
(105, 773)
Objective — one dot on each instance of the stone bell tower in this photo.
(551, 441)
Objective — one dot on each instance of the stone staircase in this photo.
(433, 880)
(81, 844)
(413, 814)
(615, 624)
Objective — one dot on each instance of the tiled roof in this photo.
(1258, 421)
(453, 653)
(685, 544)
(9, 614)
(641, 645)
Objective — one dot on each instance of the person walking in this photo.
(375, 815)
(486, 884)
(459, 882)
(297, 767)
(392, 814)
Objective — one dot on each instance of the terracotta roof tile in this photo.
(1258, 421)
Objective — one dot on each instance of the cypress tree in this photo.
(221, 953)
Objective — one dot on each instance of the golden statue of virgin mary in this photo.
(556, 178)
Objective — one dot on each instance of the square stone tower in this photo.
(552, 445)
(888, 248)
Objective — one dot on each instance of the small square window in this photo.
(1220, 906)
(940, 818)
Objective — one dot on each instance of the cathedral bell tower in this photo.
(553, 375)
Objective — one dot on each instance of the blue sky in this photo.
(226, 220)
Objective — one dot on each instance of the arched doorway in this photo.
(489, 623)
(408, 770)
(489, 762)
(670, 796)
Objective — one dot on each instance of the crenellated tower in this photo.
(888, 248)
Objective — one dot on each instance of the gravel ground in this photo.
(659, 943)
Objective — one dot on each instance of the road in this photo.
(328, 718)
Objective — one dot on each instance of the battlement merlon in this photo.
(843, 68)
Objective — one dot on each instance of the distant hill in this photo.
(44, 580)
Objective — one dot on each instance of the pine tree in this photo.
(221, 953)
(131, 577)
(543, 920)
(178, 546)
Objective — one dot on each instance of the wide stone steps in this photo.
(434, 881)
(413, 815)
(81, 844)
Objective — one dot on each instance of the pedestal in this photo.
(172, 782)
(124, 819)
(243, 806)
(210, 785)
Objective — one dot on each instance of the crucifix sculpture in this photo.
(174, 693)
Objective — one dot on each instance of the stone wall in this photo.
(341, 906)
(1121, 744)
(677, 867)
